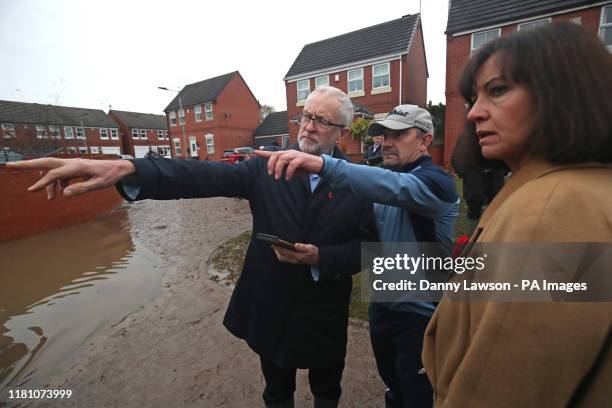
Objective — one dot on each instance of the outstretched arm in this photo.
(57, 174)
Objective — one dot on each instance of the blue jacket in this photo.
(417, 204)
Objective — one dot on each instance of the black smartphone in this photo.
(274, 240)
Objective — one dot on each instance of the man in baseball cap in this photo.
(408, 132)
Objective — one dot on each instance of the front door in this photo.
(193, 146)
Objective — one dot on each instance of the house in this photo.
(33, 127)
(379, 67)
(213, 115)
(143, 132)
(472, 23)
(273, 129)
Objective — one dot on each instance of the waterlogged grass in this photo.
(230, 257)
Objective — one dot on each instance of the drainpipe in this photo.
(400, 80)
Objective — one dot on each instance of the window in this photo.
(95, 150)
(322, 81)
(181, 116)
(532, 24)
(8, 130)
(134, 133)
(576, 20)
(173, 118)
(160, 135)
(143, 134)
(71, 150)
(82, 150)
(68, 133)
(114, 134)
(41, 132)
(54, 132)
(355, 80)
(210, 144)
(303, 89)
(103, 134)
(208, 111)
(380, 76)
(605, 27)
(483, 37)
(177, 145)
(198, 113)
(80, 133)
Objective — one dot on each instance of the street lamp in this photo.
(163, 88)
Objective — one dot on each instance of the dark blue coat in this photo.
(282, 313)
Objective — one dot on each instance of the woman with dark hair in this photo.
(540, 102)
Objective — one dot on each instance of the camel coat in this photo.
(488, 354)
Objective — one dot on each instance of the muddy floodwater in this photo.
(57, 289)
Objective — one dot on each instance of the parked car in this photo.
(271, 148)
(237, 154)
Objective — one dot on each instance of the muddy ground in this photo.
(174, 351)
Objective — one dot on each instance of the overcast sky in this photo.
(93, 54)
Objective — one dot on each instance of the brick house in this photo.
(143, 132)
(33, 127)
(213, 115)
(472, 23)
(379, 67)
(273, 129)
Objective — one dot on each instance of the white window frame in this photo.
(80, 130)
(181, 116)
(94, 150)
(71, 149)
(302, 91)
(82, 150)
(533, 23)
(160, 135)
(208, 111)
(135, 134)
(197, 110)
(177, 145)
(143, 134)
(356, 91)
(114, 134)
(41, 132)
(68, 132)
(8, 130)
(322, 81)
(486, 33)
(388, 75)
(172, 116)
(605, 26)
(210, 143)
(54, 132)
(103, 134)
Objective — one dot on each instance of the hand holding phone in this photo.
(274, 240)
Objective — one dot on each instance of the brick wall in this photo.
(457, 55)
(23, 213)
(415, 72)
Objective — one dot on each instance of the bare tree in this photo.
(266, 110)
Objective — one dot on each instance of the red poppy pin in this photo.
(330, 195)
(459, 245)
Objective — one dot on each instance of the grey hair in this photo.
(346, 106)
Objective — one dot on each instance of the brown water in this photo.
(58, 288)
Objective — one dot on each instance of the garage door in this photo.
(140, 151)
(111, 150)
